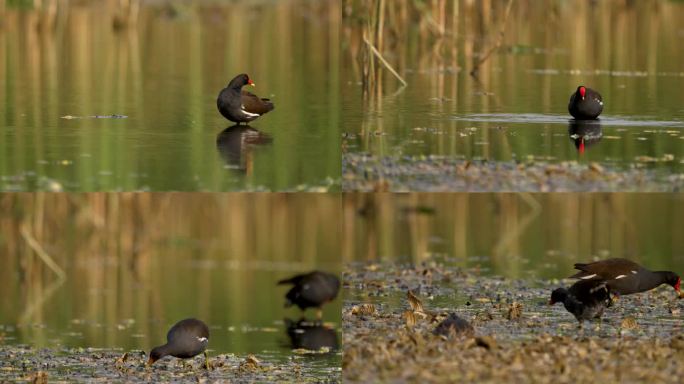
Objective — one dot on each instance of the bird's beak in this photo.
(250, 82)
(150, 361)
(681, 294)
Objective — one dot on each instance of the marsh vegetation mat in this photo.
(27, 364)
(367, 172)
(518, 337)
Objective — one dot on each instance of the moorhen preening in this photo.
(311, 336)
(586, 299)
(311, 290)
(187, 338)
(454, 325)
(625, 277)
(585, 104)
(240, 106)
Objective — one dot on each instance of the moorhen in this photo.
(454, 325)
(585, 104)
(311, 336)
(625, 277)
(188, 338)
(586, 299)
(240, 106)
(311, 290)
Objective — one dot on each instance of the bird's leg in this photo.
(206, 361)
(319, 314)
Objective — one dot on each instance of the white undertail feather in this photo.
(250, 114)
(587, 277)
(620, 277)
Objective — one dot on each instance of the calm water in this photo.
(164, 73)
(517, 107)
(133, 267)
(516, 235)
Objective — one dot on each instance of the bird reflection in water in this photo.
(585, 133)
(236, 143)
(310, 335)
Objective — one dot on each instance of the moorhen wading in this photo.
(586, 299)
(187, 338)
(625, 277)
(240, 106)
(585, 104)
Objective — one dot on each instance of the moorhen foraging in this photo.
(311, 290)
(585, 104)
(454, 325)
(586, 299)
(625, 277)
(188, 338)
(240, 106)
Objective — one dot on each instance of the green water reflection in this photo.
(516, 108)
(134, 264)
(516, 235)
(163, 69)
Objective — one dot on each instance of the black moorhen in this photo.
(311, 290)
(240, 106)
(586, 299)
(585, 104)
(625, 277)
(454, 325)
(186, 339)
(311, 336)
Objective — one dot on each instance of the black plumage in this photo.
(625, 277)
(585, 104)
(586, 299)
(240, 106)
(186, 339)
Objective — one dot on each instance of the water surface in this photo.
(64, 68)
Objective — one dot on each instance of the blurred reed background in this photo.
(162, 64)
(114, 270)
(445, 36)
(515, 235)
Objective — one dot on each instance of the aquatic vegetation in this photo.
(541, 345)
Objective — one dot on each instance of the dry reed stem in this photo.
(384, 62)
(498, 41)
(44, 256)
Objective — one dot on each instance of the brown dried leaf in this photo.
(410, 318)
(366, 309)
(596, 167)
(414, 302)
(629, 323)
(514, 311)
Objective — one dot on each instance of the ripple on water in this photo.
(538, 118)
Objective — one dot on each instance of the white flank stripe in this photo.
(634, 272)
(620, 277)
(250, 114)
(587, 277)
